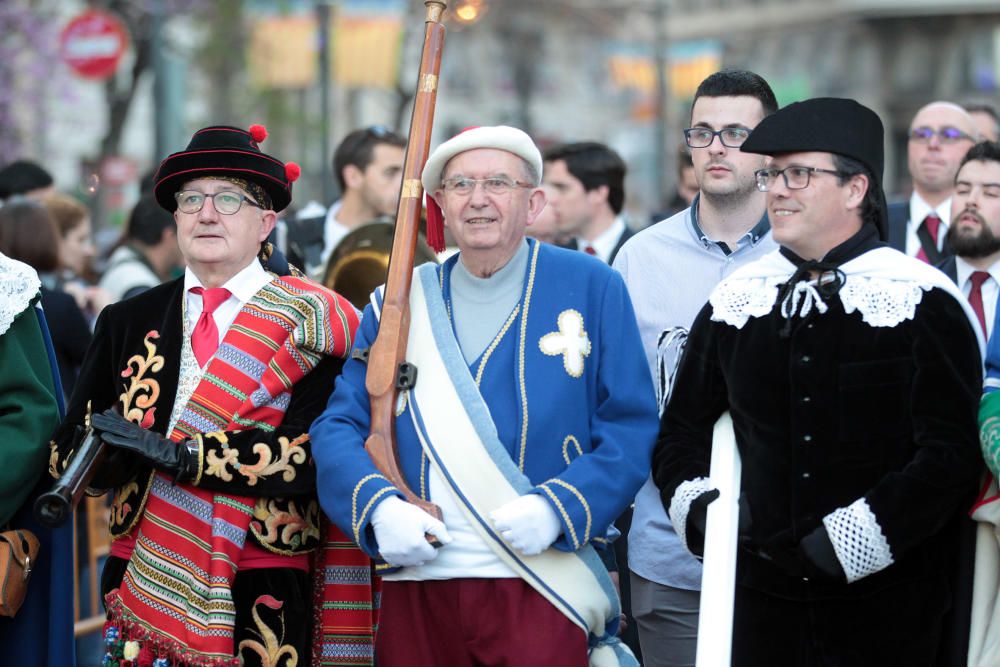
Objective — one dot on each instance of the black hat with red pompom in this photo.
(227, 152)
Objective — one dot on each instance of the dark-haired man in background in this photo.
(586, 186)
(368, 165)
(975, 231)
(147, 253)
(24, 177)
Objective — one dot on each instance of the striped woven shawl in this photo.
(176, 593)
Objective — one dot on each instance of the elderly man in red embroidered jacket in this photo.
(204, 388)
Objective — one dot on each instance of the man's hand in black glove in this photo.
(179, 459)
(812, 557)
(819, 560)
(697, 518)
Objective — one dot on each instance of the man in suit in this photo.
(975, 231)
(368, 165)
(939, 136)
(586, 186)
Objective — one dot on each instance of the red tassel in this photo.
(258, 133)
(292, 171)
(435, 225)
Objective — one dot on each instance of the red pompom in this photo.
(292, 171)
(258, 133)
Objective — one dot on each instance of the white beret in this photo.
(502, 137)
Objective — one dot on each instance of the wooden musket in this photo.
(387, 368)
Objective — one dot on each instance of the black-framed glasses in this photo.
(702, 137)
(495, 185)
(796, 177)
(946, 135)
(226, 202)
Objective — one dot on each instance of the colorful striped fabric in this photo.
(176, 593)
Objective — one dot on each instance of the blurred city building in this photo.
(621, 72)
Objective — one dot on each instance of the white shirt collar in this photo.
(243, 285)
(963, 270)
(605, 243)
(919, 209)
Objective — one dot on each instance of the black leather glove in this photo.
(818, 557)
(812, 557)
(176, 458)
(696, 520)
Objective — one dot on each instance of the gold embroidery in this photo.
(120, 506)
(281, 528)
(125, 511)
(142, 392)
(217, 464)
(520, 360)
(565, 449)
(55, 469)
(271, 649)
(292, 454)
(565, 516)
(355, 526)
(496, 341)
(371, 502)
(579, 496)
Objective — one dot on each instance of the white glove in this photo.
(399, 530)
(528, 523)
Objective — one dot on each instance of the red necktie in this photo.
(589, 250)
(205, 337)
(976, 296)
(933, 224)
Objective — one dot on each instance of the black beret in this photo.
(826, 125)
(225, 151)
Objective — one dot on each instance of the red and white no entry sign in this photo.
(93, 44)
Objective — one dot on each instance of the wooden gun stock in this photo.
(54, 507)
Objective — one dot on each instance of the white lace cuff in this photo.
(680, 505)
(18, 286)
(858, 540)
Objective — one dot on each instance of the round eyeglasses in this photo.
(702, 137)
(226, 202)
(796, 177)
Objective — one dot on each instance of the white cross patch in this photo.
(571, 341)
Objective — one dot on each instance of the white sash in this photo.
(459, 437)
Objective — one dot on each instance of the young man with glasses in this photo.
(858, 436)
(670, 269)
(939, 135)
(530, 427)
(368, 166)
(203, 389)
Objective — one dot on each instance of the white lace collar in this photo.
(883, 285)
(18, 286)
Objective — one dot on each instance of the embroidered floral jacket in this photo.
(134, 362)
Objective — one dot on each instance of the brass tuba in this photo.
(360, 262)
